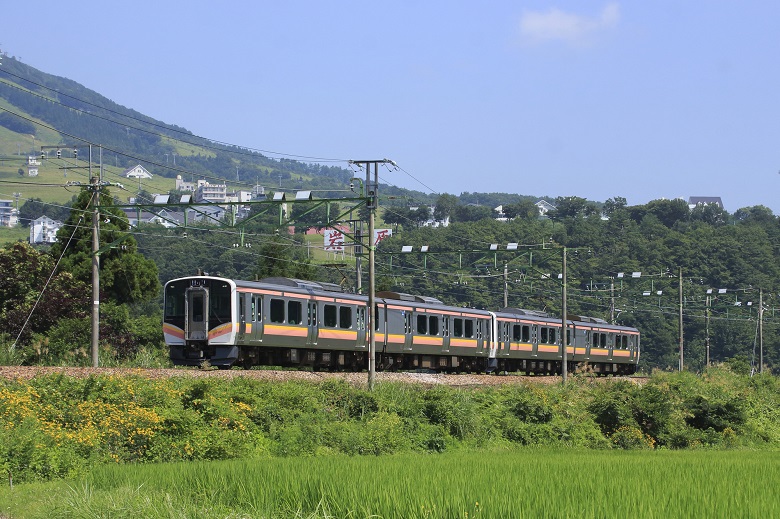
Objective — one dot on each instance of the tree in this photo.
(25, 275)
(35, 208)
(524, 209)
(445, 206)
(126, 276)
(281, 257)
(669, 212)
(613, 205)
(571, 207)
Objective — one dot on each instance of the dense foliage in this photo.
(731, 256)
(54, 426)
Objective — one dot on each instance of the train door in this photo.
(480, 336)
(505, 347)
(196, 323)
(445, 334)
(360, 325)
(257, 318)
(311, 322)
(244, 307)
(408, 330)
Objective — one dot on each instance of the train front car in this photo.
(198, 322)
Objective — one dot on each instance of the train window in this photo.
(543, 335)
(241, 308)
(603, 340)
(422, 324)
(329, 318)
(433, 325)
(277, 310)
(345, 317)
(457, 327)
(469, 329)
(505, 330)
(553, 335)
(197, 308)
(376, 317)
(516, 332)
(294, 312)
(174, 300)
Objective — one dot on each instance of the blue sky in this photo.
(595, 99)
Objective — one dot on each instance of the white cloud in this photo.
(556, 24)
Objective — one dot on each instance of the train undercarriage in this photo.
(225, 357)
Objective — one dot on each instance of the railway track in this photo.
(432, 379)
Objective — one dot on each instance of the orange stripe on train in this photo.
(288, 331)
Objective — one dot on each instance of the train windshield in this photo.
(174, 300)
(219, 299)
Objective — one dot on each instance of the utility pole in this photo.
(612, 300)
(760, 330)
(372, 187)
(681, 320)
(358, 250)
(564, 338)
(506, 285)
(707, 329)
(95, 187)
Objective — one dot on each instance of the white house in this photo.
(136, 172)
(544, 207)
(44, 230)
(695, 201)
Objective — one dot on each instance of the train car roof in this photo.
(401, 296)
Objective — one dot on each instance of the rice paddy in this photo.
(518, 483)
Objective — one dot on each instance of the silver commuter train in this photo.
(291, 322)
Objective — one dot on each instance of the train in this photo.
(215, 321)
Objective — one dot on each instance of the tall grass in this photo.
(529, 483)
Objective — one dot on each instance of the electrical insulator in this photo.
(59, 154)
(43, 155)
(75, 153)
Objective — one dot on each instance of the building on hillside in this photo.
(32, 165)
(212, 214)
(9, 216)
(181, 185)
(136, 172)
(44, 230)
(695, 201)
(167, 219)
(544, 207)
(212, 193)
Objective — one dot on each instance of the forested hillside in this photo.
(35, 103)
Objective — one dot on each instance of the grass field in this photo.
(527, 483)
